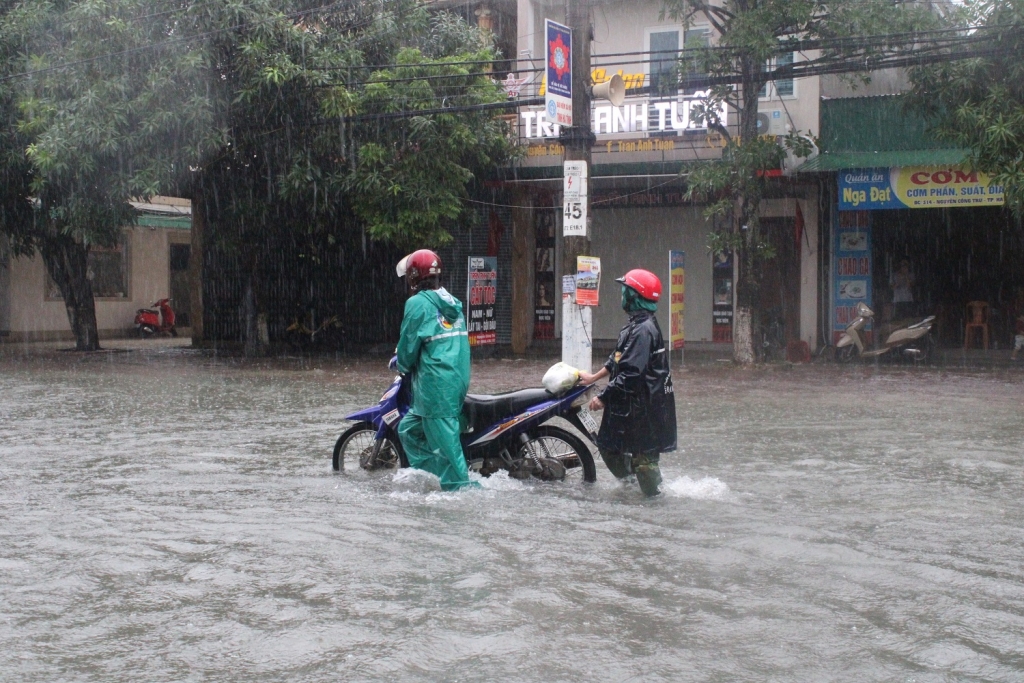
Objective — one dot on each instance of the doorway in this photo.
(179, 290)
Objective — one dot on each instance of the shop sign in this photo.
(721, 303)
(644, 116)
(677, 297)
(558, 95)
(481, 291)
(851, 269)
(915, 187)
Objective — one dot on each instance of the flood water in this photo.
(170, 516)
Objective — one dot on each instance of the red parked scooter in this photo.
(156, 320)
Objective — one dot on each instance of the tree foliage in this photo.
(749, 34)
(978, 104)
(275, 116)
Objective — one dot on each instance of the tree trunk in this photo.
(745, 224)
(195, 263)
(67, 262)
(255, 328)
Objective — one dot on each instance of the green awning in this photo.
(837, 161)
(876, 132)
(153, 221)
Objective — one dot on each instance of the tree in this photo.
(978, 104)
(102, 118)
(320, 142)
(750, 34)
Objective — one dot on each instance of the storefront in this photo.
(916, 233)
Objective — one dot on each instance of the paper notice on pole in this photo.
(574, 199)
(574, 180)
(588, 280)
(568, 287)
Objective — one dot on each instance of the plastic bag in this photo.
(560, 377)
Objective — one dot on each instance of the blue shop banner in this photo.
(851, 269)
(915, 187)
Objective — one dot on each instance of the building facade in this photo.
(150, 262)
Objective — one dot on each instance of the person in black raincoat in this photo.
(639, 404)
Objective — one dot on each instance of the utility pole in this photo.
(577, 321)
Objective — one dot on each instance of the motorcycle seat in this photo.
(483, 410)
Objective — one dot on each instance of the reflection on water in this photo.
(175, 517)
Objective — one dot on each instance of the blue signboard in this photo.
(851, 269)
(558, 92)
(915, 187)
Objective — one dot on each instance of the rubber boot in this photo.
(648, 473)
(618, 463)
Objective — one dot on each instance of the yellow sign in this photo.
(677, 297)
(915, 187)
(631, 81)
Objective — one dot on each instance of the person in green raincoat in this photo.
(433, 350)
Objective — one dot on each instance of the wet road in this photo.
(169, 516)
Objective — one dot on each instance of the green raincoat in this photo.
(434, 350)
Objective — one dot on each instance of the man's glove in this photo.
(393, 363)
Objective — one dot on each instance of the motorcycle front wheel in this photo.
(845, 354)
(353, 450)
(552, 442)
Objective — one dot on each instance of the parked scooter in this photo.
(912, 342)
(503, 432)
(156, 320)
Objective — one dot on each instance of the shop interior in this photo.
(966, 268)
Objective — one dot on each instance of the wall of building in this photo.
(641, 238)
(34, 316)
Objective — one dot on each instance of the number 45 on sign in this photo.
(574, 199)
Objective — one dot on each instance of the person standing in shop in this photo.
(902, 283)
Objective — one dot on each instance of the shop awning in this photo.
(876, 132)
(837, 161)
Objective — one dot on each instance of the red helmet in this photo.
(418, 266)
(646, 283)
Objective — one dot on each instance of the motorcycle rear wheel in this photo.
(355, 446)
(147, 331)
(559, 444)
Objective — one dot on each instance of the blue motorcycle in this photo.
(503, 432)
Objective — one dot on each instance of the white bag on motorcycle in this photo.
(560, 377)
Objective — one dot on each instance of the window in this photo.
(782, 87)
(695, 37)
(664, 50)
(108, 272)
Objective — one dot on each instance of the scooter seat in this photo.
(482, 410)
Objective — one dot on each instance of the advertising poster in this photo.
(721, 303)
(544, 293)
(915, 187)
(588, 279)
(851, 269)
(481, 289)
(677, 296)
(558, 86)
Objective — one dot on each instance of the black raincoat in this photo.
(640, 406)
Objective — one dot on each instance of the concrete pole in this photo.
(577, 321)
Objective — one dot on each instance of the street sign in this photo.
(574, 199)
(558, 92)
